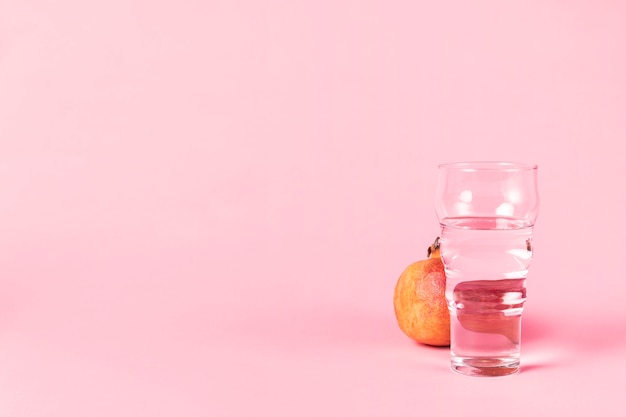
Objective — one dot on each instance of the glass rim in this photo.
(488, 166)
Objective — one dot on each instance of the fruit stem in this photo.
(433, 250)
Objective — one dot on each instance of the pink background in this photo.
(205, 205)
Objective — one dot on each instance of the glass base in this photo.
(485, 366)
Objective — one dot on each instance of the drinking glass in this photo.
(487, 211)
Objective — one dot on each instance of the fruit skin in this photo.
(420, 302)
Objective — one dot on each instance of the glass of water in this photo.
(487, 211)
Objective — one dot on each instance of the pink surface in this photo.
(204, 206)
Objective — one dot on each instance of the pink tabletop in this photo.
(205, 205)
